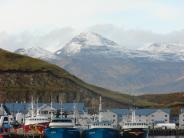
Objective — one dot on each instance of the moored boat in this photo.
(101, 128)
(62, 127)
(35, 122)
(134, 129)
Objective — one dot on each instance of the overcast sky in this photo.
(51, 23)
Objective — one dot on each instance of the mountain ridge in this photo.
(121, 69)
(22, 76)
(85, 41)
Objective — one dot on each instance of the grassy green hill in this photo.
(175, 101)
(22, 76)
(165, 100)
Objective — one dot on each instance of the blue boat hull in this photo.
(100, 133)
(61, 133)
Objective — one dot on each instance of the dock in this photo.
(166, 132)
(25, 136)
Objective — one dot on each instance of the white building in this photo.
(46, 110)
(106, 116)
(159, 116)
(110, 116)
(150, 116)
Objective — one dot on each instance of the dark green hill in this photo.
(165, 100)
(22, 77)
(175, 101)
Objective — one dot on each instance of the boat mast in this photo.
(100, 110)
(133, 116)
(51, 106)
(32, 107)
(74, 112)
(133, 109)
(61, 104)
(37, 111)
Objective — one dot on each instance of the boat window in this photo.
(5, 118)
(64, 121)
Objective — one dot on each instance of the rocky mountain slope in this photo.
(120, 69)
(22, 77)
(156, 68)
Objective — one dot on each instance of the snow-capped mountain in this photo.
(36, 52)
(175, 48)
(164, 51)
(92, 43)
(159, 67)
(102, 62)
(87, 41)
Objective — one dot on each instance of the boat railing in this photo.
(135, 125)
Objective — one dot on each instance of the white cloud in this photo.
(20, 15)
(58, 37)
(136, 38)
(52, 40)
(44, 23)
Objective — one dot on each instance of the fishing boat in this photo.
(134, 129)
(6, 120)
(36, 122)
(62, 127)
(101, 128)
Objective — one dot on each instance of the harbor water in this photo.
(166, 137)
(110, 137)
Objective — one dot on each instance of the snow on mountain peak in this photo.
(36, 52)
(95, 39)
(164, 48)
(86, 40)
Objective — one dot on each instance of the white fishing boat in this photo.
(36, 119)
(134, 129)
